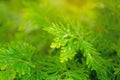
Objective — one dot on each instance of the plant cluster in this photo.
(64, 40)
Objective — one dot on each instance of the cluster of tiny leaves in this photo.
(15, 59)
(69, 45)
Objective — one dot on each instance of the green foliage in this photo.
(64, 40)
(16, 59)
(70, 44)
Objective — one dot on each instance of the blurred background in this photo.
(23, 20)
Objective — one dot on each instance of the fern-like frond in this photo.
(16, 57)
(69, 44)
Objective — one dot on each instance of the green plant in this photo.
(48, 40)
(16, 60)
